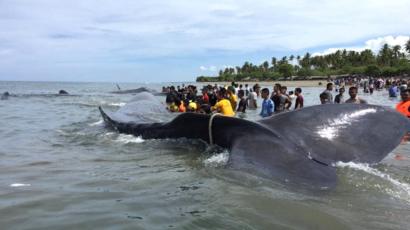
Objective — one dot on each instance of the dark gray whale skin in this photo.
(63, 92)
(5, 96)
(290, 147)
(133, 91)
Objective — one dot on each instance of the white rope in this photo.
(211, 140)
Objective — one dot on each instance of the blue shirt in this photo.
(267, 108)
(393, 91)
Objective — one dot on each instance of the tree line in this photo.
(389, 61)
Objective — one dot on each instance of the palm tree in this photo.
(385, 55)
(367, 57)
(245, 67)
(396, 54)
(408, 46)
(396, 51)
(305, 62)
(265, 66)
(238, 69)
(274, 61)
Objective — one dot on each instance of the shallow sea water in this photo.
(60, 168)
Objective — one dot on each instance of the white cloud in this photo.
(45, 33)
(376, 44)
(372, 44)
(211, 68)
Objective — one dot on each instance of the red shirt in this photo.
(205, 97)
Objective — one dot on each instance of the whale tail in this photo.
(342, 132)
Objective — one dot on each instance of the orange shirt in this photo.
(182, 108)
(403, 108)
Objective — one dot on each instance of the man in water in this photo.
(339, 99)
(285, 102)
(393, 90)
(223, 105)
(299, 98)
(172, 96)
(242, 101)
(354, 99)
(324, 98)
(404, 106)
(275, 96)
(232, 97)
(329, 97)
(267, 104)
(252, 100)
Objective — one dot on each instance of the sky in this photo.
(174, 41)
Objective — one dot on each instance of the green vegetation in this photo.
(389, 61)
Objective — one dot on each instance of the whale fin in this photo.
(107, 119)
(280, 161)
(342, 132)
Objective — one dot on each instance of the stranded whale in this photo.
(5, 96)
(298, 147)
(132, 91)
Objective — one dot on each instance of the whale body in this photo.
(299, 147)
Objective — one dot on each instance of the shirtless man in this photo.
(354, 99)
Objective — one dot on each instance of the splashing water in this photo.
(98, 123)
(119, 104)
(124, 138)
(19, 185)
(401, 190)
(218, 159)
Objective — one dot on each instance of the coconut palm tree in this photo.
(408, 46)
(265, 66)
(385, 55)
(274, 61)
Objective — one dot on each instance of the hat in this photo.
(192, 106)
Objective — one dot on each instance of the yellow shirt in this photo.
(234, 101)
(224, 107)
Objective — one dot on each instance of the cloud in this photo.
(210, 68)
(372, 44)
(45, 33)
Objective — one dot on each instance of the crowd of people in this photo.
(237, 98)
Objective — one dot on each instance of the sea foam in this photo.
(19, 185)
(400, 190)
(124, 138)
(219, 159)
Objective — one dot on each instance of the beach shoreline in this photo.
(298, 83)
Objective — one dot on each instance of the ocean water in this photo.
(60, 168)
